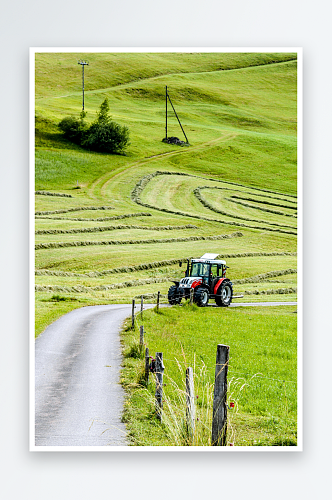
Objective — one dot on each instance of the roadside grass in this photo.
(49, 309)
(262, 373)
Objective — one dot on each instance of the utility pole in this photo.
(166, 112)
(83, 63)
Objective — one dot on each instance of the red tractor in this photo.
(207, 278)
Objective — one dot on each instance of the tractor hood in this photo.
(190, 282)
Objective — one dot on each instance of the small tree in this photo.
(105, 135)
(103, 113)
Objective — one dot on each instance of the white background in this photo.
(143, 23)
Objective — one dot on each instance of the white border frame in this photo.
(32, 446)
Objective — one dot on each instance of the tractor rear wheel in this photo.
(201, 296)
(173, 295)
(225, 294)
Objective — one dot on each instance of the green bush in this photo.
(107, 137)
(103, 136)
(74, 129)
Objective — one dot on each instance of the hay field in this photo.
(237, 175)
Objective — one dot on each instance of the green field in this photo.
(127, 220)
(261, 374)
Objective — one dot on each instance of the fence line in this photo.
(211, 367)
(220, 404)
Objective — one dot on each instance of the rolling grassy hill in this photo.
(122, 223)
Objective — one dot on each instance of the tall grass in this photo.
(175, 425)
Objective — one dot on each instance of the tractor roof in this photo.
(209, 258)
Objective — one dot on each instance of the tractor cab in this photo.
(209, 270)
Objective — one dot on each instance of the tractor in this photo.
(207, 278)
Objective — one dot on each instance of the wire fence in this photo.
(139, 321)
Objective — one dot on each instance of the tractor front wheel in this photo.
(225, 294)
(173, 295)
(201, 296)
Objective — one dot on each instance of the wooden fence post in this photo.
(141, 307)
(219, 417)
(191, 295)
(147, 367)
(159, 384)
(133, 314)
(158, 300)
(190, 399)
(141, 337)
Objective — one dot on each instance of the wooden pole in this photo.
(141, 306)
(166, 111)
(191, 295)
(159, 384)
(190, 400)
(133, 314)
(141, 337)
(219, 418)
(158, 300)
(147, 363)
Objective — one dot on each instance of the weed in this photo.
(59, 298)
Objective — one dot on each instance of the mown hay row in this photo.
(264, 276)
(255, 254)
(142, 282)
(206, 204)
(114, 228)
(144, 181)
(64, 274)
(116, 270)
(264, 202)
(136, 192)
(263, 209)
(100, 288)
(47, 193)
(44, 246)
(270, 292)
(73, 209)
(154, 265)
(261, 195)
(238, 224)
(279, 291)
(99, 219)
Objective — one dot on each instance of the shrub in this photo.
(74, 129)
(106, 137)
(103, 136)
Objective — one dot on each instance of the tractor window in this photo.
(199, 269)
(214, 270)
